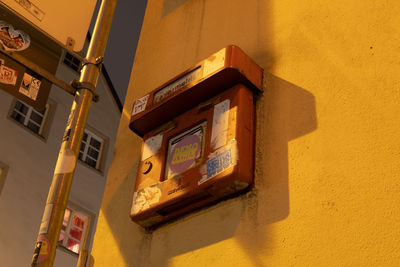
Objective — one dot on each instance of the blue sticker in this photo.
(219, 163)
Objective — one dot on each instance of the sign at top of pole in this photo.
(65, 21)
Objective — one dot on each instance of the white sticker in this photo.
(220, 124)
(66, 162)
(30, 86)
(214, 62)
(140, 105)
(8, 75)
(144, 198)
(44, 226)
(151, 146)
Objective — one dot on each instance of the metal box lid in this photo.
(220, 71)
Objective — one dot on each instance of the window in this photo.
(74, 229)
(91, 149)
(71, 61)
(29, 117)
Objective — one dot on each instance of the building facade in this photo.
(29, 145)
(326, 177)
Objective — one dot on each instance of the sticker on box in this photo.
(220, 160)
(151, 146)
(220, 124)
(140, 105)
(144, 198)
(185, 153)
(184, 150)
(219, 163)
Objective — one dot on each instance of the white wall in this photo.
(31, 162)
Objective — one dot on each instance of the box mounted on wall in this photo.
(198, 134)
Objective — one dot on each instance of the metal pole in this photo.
(57, 198)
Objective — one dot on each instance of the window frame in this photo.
(28, 117)
(86, 231)
(70, 62)
(90, 134)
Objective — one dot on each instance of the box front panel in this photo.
(200, 156)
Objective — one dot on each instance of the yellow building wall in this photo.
(327, 179)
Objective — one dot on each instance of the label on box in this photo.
(151, 146)
(140, 105)
(184, 150)
(219, 163)
(220, 124)
(176, 85)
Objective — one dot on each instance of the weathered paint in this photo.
(327, 162)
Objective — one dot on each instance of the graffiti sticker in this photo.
(8, 75)
(184, 150)
(44, 248)
(11, 39)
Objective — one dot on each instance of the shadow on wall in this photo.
(284, 112)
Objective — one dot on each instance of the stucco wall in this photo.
(326, 181)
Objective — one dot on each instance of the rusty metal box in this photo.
(198, 137)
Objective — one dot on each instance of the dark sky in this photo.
(122, 41)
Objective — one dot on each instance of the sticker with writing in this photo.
(176, 85)
(140, 105)
(30, 86)
(183, 151)
(219, 161)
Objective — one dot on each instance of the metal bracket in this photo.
(86, 85)
(70, 43)
(95, 61)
